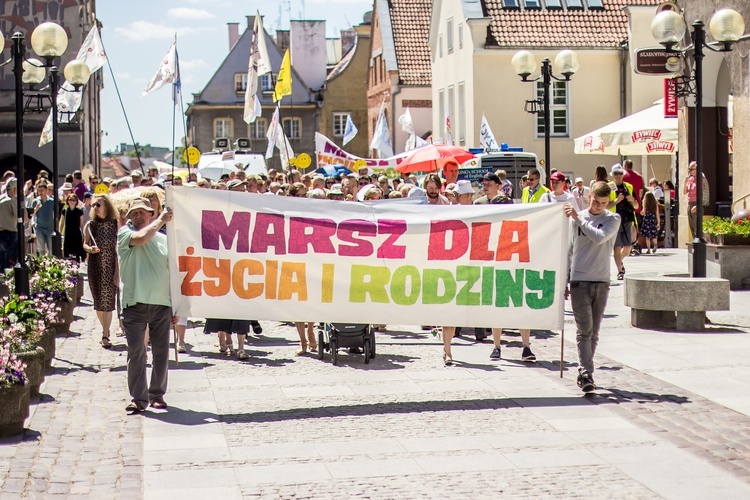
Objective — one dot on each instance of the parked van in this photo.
(514, 161)
(254, 163)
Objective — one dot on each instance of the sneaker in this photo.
(181, 347)
(586, 382)
(527, 355)
(495, 356)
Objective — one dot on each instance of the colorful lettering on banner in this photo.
(241, 256)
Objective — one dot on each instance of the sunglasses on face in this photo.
(533, 179)
(617, 174)
(96, 205)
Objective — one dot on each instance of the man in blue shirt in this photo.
(43, 208)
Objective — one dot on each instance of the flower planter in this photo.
(731, 239)
(48, 343)
(64, 317)
(35, 368)
(14, 409)
(730, 262)
(79, 289)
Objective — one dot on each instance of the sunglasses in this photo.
(618, 173)
(533, 178)
(96, 205)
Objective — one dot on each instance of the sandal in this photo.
(241, 354)
(105, 342)
(134, 408)
(302, 349)
(620, 276)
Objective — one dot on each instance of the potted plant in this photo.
(14, 390)
(23, 321)
(725, 231)
(728, 255)
(55, 280)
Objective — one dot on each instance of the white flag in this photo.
(448, 131)
(259, 64)
(92, 53)
(271, 133)
(381, 139)
(350, 130)
(168, 71)
(486, 138)
(407, 124)
(282, 144)
(414, 142)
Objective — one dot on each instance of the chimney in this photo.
(308, 51)
(282, 40)
(234, 33)
(348, 38)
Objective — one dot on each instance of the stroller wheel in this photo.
(368, 350)
(372, 344)
(320, 346)
(334, 352)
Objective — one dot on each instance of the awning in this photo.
(646, 132)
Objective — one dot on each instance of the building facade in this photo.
(79, 142)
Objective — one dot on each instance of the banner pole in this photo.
(562, 349)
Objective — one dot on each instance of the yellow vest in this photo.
(525, 198)
(613, 193)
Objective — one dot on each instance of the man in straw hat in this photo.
(144, 277)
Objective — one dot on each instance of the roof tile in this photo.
(410, 21)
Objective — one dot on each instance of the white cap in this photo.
(464, 187)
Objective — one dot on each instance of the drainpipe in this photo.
(623, 77)
(394, 93)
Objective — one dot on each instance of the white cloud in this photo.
(189, 13)
(192, 64)
(140, 31)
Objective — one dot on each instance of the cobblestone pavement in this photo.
(280, 425)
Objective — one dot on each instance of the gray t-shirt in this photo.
(592, 238)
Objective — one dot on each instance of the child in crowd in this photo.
(651, 221)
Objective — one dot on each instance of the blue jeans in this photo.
(43, 240)
(588, 299)
(8, 249)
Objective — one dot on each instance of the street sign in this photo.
(656, 61)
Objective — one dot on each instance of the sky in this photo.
(138, 33)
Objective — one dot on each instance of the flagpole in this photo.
(174, 115)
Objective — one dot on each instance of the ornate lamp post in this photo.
(727, 27)
(49, 41)
(524, 64)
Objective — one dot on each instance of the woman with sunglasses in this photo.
(100, 242)
(71, 227)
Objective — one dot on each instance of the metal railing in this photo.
(742, 199)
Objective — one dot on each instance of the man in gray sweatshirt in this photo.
(593, 234)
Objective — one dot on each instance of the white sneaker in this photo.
(181, 347)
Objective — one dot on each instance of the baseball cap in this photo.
(616, 168)
(557, 176)
(12, 183)
(578, 179)
(234, 183)
(335, 190)
(491, 176)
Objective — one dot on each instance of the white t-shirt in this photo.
(551, 197)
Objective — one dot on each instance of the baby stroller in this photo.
(335, 336)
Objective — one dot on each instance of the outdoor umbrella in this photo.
(333, 170)
(432, 157)
(215, 170)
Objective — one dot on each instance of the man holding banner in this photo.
(593, 234)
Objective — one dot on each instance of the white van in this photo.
(514, 161)
(254, 163)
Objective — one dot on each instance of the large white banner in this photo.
(251, 256)
(328, 153)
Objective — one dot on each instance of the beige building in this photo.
(472, 74)
(342, 95)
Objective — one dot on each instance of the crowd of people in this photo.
(118, 227)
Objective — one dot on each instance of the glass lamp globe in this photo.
(77, 73)
(668, 28)
(727, 25)
(49, 40)
(566, 62)
(33, 71)
(524, 63)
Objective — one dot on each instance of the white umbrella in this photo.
(646, 132)
(215, 170)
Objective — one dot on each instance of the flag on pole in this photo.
(448, 131)
(176, 82)
(407, 124)
(284, 81)
(350, 130)
(282, 144)
(271, 133)
(486, 138)
(414, 142)
(381, 139)
(92, 53)
(168, 72)
(259, 64)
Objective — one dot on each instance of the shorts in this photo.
(624, 236)
(182, 320)
(239, 326)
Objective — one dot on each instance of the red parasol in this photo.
(431, 158)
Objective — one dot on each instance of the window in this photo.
(559, 112)
(441, 109)
(461, 114)
(292, 127)
(258, 129)
(533, 4)
(554, 4)
(440, 45)
(267, 82)
(461, 36)
(240, 82)
(223, 127)
(575, 4)
(449, 35)
(510, 4)
(339, 124)
(596, 4)
(451, 111)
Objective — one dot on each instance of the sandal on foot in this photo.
(241, 354)
(134, 408)
(620, 276)
(105, 342)
(158, 403)
(302, 349)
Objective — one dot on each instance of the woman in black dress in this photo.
(72, 215)
(100, 241)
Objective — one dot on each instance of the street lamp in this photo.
(524, 64)
(49, 42)
(668, 28)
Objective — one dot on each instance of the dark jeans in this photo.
(8, 249)
(134, 320)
